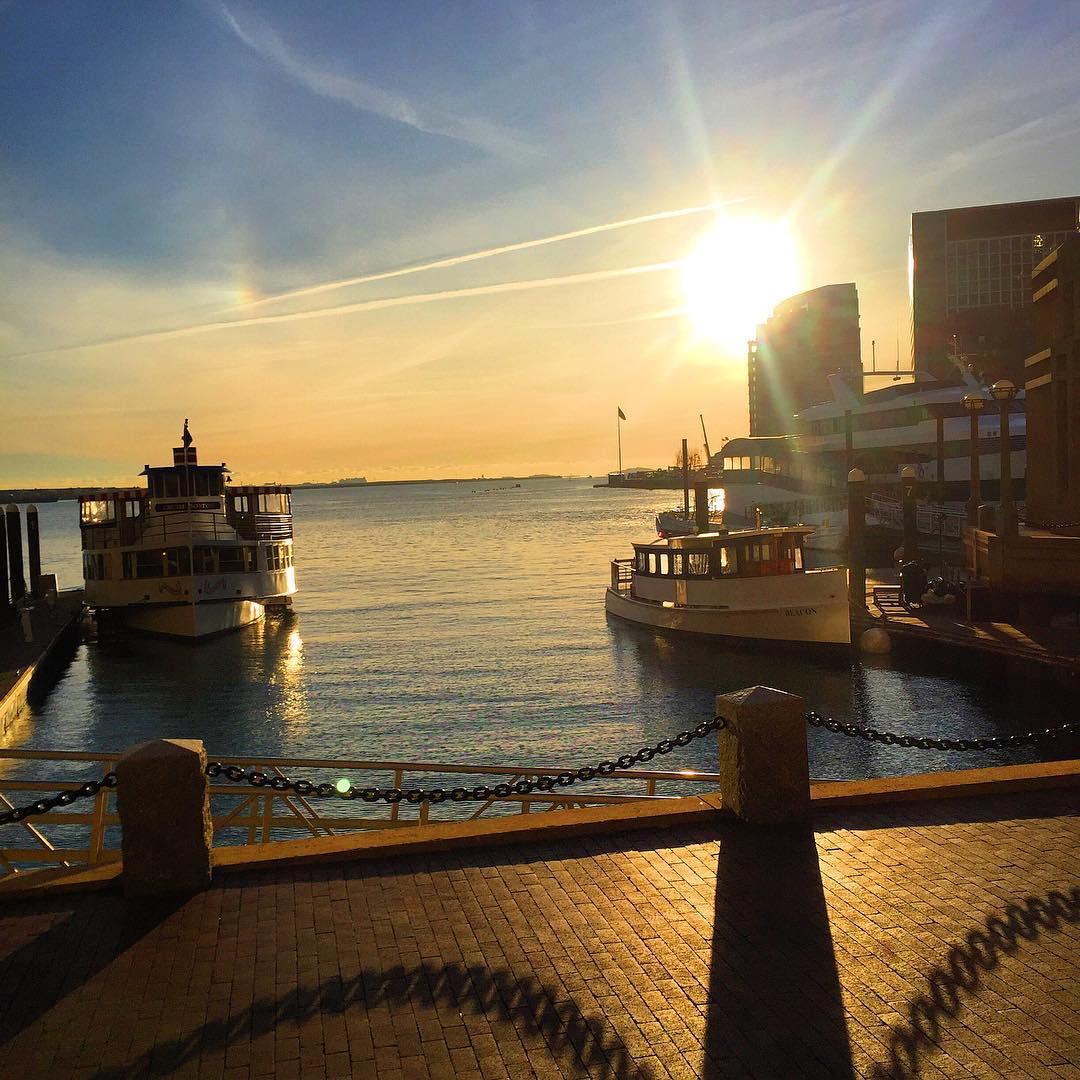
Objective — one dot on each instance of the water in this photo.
(466, 623)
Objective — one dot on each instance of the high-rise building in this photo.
(806, 339)
(971, 283)
(1053, 391)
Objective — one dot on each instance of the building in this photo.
(971, 283)
(806, 339)
(1052, 385)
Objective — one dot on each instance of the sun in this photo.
(736, 275)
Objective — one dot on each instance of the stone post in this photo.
(764, 768)
(163, 797)
(5, 604)
(33, 548)
(908, 480)
(856, 486)
(15, 558)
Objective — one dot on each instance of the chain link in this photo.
(61, 798)
(923, 742)
(480, 793)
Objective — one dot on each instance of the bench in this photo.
(890, 597)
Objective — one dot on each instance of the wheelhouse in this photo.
(745, 554)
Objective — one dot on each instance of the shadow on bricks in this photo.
(775, 1006)
(53, 965)
(507, 995)
(960, 975)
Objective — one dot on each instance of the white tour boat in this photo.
(190, 555)
(749, 583)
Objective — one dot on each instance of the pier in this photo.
(927, 926)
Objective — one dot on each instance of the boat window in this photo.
(94, 566)
(766, 551)
(205, 560)
(642, 562)
(177, 562)
(754, 551)
(170, 486)
(798, 557)
(665, 563)
(273, 503)
(251, 559)
(729, 560)
(678, 561)
(240, 504)
(202, 484)
(132, 508)
(652, 562)
(149, 563)
(231, 560)
(698, 563)
(98, 511)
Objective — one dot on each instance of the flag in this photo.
(622, 415)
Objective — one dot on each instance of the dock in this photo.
(1055, 651)
(931, 938)
(29, 668)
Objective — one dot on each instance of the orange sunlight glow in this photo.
(736, 275)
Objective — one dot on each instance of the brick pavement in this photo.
(932, 940)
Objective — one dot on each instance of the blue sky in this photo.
(164, 165)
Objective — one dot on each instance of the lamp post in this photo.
(974, 405)
(1003, 392)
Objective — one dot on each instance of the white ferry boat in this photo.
(802, 477)
(190, 555)
(747, 583)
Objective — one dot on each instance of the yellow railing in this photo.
(88, 832)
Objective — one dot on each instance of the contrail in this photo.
(364, 305)
(505, 249)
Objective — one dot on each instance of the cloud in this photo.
(487, 253)
(266, 43)
(365, 305)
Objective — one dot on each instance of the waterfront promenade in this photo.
(937, 938)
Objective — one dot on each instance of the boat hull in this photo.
(190, 621)
(822, 622)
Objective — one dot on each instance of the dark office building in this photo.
(1053, 391)
(971, 283)
(806, 339)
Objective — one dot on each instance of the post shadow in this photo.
(775, 1006)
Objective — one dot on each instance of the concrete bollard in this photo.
(163, 797)
(764, 768)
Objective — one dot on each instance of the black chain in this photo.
(922, 742)
(61, 798)
(481, 793)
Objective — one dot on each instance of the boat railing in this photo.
(88, 832)
(263, 526)
(929, 519)
(622, 575)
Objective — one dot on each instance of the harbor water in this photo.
(465, 623)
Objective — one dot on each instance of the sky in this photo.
(408, 240)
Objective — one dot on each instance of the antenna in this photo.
(873, 355)
(896, 377)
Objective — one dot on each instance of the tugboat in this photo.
(189, 555)
(746, 584)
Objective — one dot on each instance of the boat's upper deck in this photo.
(763, 552)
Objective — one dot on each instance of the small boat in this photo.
(744, 584)
(683, 522)
(190, 555)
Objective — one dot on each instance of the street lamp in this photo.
(974, 404)
(1003, 392)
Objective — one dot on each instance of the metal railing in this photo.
(88, 832)
(622, 574)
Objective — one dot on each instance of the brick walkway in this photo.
(942, 940)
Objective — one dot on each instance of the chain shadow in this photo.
(961, 974)
(775, 1006)
(523, 1000)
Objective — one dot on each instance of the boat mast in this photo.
(705, 436)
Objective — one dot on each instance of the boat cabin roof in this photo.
(705, 541)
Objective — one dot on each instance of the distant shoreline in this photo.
(46, 494)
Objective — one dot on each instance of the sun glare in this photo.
(736, 275)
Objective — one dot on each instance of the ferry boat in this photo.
(802, 477)
(190, 555)
(747, 583)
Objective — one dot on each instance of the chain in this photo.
(481, 793)
(1049, 524)
(61, 798)
(890, 738)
